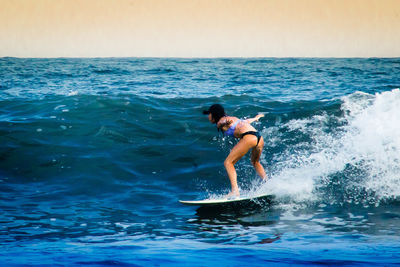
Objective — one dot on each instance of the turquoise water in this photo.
(96, 153)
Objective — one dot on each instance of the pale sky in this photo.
(200, 28)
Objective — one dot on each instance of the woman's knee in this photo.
(254, 162)
(228, 163)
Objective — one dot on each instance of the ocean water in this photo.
(96, 153)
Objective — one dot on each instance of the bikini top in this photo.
(231, 129)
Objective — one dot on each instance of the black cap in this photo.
(214, 109)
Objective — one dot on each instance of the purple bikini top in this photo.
(231, 129)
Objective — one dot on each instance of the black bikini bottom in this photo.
(252, 133)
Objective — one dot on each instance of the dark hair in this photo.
(217, 112)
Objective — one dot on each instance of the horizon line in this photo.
(222, 57)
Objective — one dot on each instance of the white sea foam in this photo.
(364, 153)
(72, 93)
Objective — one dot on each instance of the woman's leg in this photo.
(255, 159)
(238, 151)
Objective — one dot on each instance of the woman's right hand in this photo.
(258, 116)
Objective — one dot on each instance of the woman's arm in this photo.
(256, 118)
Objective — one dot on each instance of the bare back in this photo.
(242, 126)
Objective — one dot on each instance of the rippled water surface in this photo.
(96, 153)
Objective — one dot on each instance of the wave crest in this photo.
(350, 158)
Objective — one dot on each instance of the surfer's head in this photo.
(215, 113)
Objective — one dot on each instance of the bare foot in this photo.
(233, 194)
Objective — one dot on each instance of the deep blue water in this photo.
(96, 153)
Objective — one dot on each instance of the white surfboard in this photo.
(226, 201)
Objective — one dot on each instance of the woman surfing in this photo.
(249, 139)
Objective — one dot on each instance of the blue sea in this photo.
(95, 155)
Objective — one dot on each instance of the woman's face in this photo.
(210, 118)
